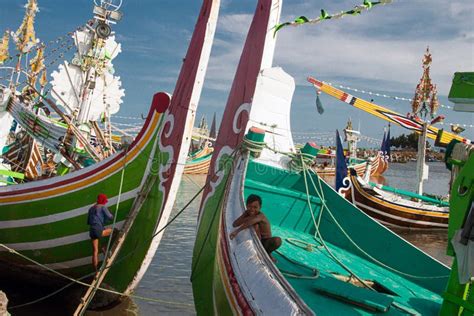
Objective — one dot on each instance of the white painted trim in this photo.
(51, 243)
(440, 225)
(185, 142)
(34, 221)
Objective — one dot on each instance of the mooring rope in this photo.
(78, 281)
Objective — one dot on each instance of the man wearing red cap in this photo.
(97, 216)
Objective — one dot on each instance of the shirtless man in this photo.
(254, 217)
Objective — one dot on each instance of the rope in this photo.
(368, 255)
(253, 146)
(78, 281)
(321, 237)
(107, 251)
(303, 244)
(13, 251)
(193, 268)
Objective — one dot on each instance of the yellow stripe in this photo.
(372, 109)
(399, 207)
(85, 182)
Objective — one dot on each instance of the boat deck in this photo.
(327, 294)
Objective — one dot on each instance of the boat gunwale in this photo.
(263, 257)
(50, 183)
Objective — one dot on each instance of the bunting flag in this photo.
(387, 145)
(319, 105)
(366, 5)
(382, 147)
(413, 124)
(341, 167)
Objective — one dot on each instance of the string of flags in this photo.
(402, 99)
(382, 95)
(357, 10)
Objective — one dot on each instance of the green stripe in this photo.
(67, 227)
(29, 209)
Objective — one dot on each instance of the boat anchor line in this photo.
(357, 246)
(78, 281)
(51, 267)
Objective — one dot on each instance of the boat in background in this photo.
(378, 163)
(45, 220)
(334, 258)
(199, 159)
(394, 207)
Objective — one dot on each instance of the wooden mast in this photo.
(425, 94)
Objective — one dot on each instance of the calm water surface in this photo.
(167, 278)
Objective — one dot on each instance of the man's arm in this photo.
(240, 219)
(247, 222)
(107, 213)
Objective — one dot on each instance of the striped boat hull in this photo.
(378, 166)
(46, 220)
(394, 214)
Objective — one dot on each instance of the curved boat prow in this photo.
(46, 219)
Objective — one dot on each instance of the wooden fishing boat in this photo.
(411, 123)
(45, 220)
(378, 165)
(199, 161)
(334, 258)
(397, 208)
(401, 208)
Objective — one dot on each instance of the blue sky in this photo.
(380, 51)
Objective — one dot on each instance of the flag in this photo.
(341, 167)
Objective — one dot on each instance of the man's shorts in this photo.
(95, 232)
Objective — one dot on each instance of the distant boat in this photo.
(199, 161)
(334, 260)
(397, 208)
(378, 163)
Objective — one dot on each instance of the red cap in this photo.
(102, 199)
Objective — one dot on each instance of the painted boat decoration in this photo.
(397, 208)
(45, 220)
(334, 258)
(391, 116)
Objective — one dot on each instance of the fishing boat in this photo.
(198, 161)
(395, 207)
(378, 163)
(334, 258)
(43, 221)
(391, 206)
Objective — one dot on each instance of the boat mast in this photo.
(25, 38)
(351, 136)
(105, 13)
(424, 102)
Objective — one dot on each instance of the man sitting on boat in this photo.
(97, 216)
(254, 217)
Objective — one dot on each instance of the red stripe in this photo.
(344, 97)
(241, 300)
(154, 108)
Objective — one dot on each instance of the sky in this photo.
(379, 51)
